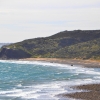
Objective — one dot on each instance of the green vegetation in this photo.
(85, 50)
(68, 44)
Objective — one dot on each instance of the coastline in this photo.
(92, 92)
(92, 89)
(84, 63)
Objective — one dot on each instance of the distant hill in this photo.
(2, 44)
(80, 44)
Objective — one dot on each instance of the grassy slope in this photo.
(84, 50)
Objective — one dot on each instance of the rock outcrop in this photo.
(8, 53)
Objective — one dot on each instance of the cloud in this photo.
(36, 18)
(31, 4)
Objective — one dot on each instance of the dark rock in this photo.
(7, 53)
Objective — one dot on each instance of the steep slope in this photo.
(85, 50)
(67, 44)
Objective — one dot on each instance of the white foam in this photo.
(19, 85)
(45, 90)
(97, 77)
(10, 91)
(39, 63)
(50, 90)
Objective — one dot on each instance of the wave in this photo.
(43, 63)
(49, 90)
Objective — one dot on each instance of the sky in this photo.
(25, 19)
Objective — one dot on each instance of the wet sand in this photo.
(92, 90)
(84, 63)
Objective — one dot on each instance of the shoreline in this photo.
(84, 63)
(92, 90)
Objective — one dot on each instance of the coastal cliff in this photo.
(8, 53)
(67, 44)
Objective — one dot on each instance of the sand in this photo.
(84, 63)
(92, 90)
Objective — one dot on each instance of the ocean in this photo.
(33, 80)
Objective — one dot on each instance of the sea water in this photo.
(32, 80)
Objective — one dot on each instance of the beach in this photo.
(92, 90)
(84, 63)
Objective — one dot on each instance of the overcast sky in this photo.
(24, 19)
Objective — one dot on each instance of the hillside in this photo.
(67, 44)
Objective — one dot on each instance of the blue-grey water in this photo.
(31, 80)
(2, 44)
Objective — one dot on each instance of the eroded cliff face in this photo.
(8, 53)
